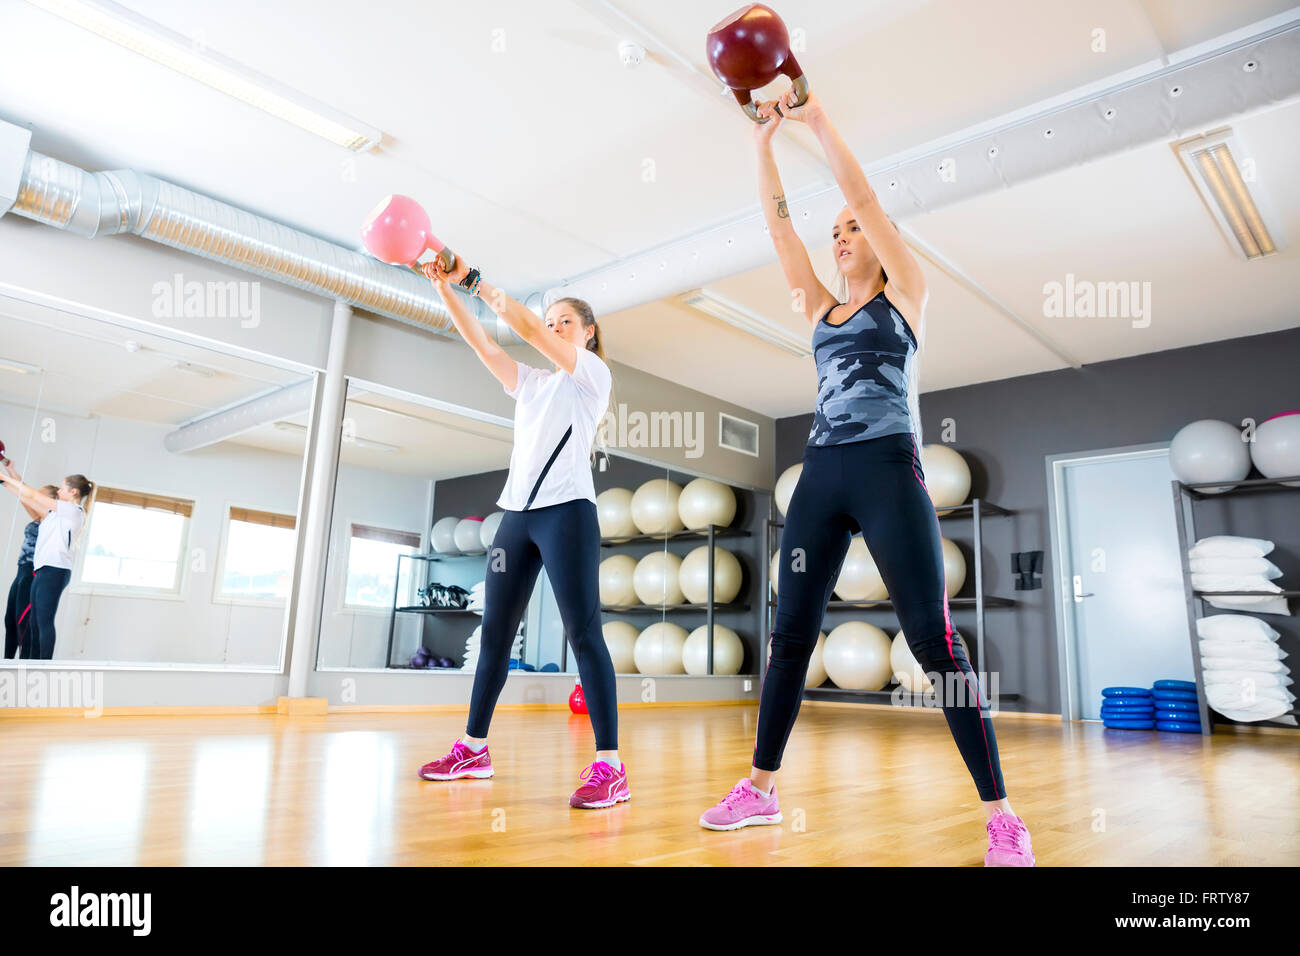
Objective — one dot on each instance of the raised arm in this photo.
(905, 275)
(490, 354)
(815, 298)
(33, 500)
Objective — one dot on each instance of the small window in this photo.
(260, 550)
(736, 434)
(135, 541)
(372, 565)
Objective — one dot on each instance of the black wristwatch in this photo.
(470, 280)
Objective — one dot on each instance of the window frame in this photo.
(93, 589)
(351, 525)
(218, 573)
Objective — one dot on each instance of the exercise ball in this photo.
(774, 570)
(655, 579)
(488, 532)
(694, 576)
(658, 649)
(704, 502)
(614, 514)
(1209, 450)
(856, 656)
(954, 567)
(816, 665)
(859, 578)
(654, 507)
(443, 536)
(469, 536)
(1276, 448)
(728, 651)
(616, 576)
(947, 476)
(785, 487)
(620, 638)
(907, 671)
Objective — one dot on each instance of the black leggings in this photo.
(565, 539)
(17, 612)
(47, 589)
(875, 485)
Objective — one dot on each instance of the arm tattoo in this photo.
(782, 211)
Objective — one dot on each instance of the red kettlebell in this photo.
(750, 49)
(577, 703)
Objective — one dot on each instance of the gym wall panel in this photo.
(1007, 429)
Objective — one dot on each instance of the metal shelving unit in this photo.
(419, 608)
(977, 510)
(1185, 496)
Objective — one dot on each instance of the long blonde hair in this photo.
(839, 287)
(595, 344)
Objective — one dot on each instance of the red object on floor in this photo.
(577, 703)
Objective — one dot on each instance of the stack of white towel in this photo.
(1230, 563)
(472, 647)
(476, 598)
(1242, 666)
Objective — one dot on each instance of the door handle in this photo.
(1079, 595)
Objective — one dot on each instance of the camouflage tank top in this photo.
(863, 366)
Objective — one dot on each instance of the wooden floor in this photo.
(860, 786)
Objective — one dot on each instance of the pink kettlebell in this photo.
(397, 232)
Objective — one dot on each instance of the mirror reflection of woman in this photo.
(861, 472)
(549, 521)
(56, 539)
(18, 607)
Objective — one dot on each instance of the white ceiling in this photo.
(532, 159)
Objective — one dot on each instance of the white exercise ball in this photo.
(658, 649)
(620, 638)
(954, 567)
(816, 665)
(443, 536)
(1276, 448)
(856, 656)
(1209, 450)
(907, 671)
(774, 570)
(694, 576)
(614, 514)
(728, 651)
(654, 506)
(785, 487)
(655, 579)
(859, 578)
(947, 476)
(616, 577)
(704, 502)
(469, 536)
(488, 533)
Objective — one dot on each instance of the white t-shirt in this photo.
(546, 404)
(54, 540)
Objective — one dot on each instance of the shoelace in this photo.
(1003, 834)
(738, 793)
(596, 773)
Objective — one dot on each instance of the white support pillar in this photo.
(325, 436)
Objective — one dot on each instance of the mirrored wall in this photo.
(187, 551)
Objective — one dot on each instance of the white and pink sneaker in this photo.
(603, 786)
(743, 807)
(1008, 841)
(461, 762)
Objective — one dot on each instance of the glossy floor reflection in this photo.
(859, 786)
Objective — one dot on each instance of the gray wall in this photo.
(1007, 429)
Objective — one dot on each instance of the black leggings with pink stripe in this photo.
(877, 486)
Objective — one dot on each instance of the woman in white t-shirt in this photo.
(65, 514)
(549, 502)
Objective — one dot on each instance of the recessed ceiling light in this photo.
(739, 317)
(19, 368)
(177, 52)
(1210, 161)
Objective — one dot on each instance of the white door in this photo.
(1125, 608)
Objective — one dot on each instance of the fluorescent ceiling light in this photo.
(739, 317)
(21, 368)
(180, 53)
(359, 442)
(1211, 162)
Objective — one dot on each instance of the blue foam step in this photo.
(1174, 685)
(1125, 692)
(1178, 726)
(1123, 723)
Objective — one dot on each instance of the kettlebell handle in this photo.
(798, 83)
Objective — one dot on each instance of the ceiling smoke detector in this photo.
(631, 54)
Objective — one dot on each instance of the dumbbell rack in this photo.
(977, 510)
(1184, 497)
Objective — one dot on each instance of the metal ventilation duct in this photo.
(106, 203)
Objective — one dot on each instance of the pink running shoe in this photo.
(742, 808)
(603, 786)
(461, 762)
(1008, 842)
